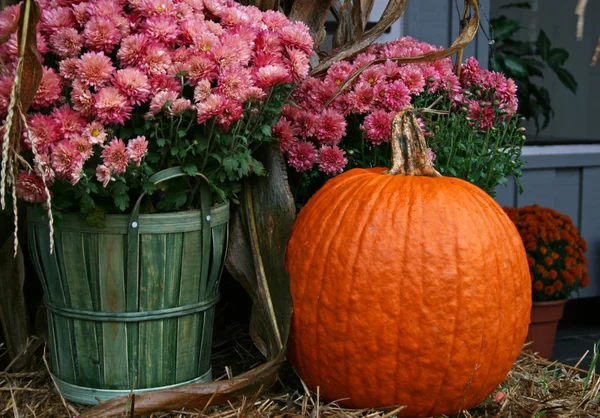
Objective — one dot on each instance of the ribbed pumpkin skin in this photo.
(407, 291)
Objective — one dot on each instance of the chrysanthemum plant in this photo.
(555, 252)
(129, 88)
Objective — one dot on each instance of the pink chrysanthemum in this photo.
(331, 127)
(162, 29)
(165, 82)
(284, 132)
(339, 72)
(42, 164)
(255, 94)
(412, 77)
(396, 96)
(55, 18)
(201, 67)
(297, 35)
(82, 99)
(203, 40)
(262, 59)
(232, 112)
(9, 16)
(332, 160)
(364, 58)
(373, 75)
(6, 84)
(66, 42)
(44, 131)
(202, 91)
(30, 187)
(234, 82)
(274, 20)
(106, 8)
(134, 84)
(305, 124)
(111, 106)
(233, 16)
(132, 49)
(211, 107)
(70, 123)
(343, 104)
(67, 161)
(179, 106)
(103, 175)
(68, 68)
(431, 155)
(95, 133)
(431, 76)
(101, 34)
(268, 42)
(298, 63)
(272, 75)
(80, 13)
(234, 50)
(42, 45)
(378, 126)
(49, 89)
(155, 60)
(115, 156)
(149, 8)
(95, 69)
(362, 97)
(191, 28)
(83, 146)
(162, 101)
(137, 149)
(302, 156)
(483, 114)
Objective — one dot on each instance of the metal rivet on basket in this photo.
(208, 217)
(134, 224)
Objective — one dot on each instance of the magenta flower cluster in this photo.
(312, 135)
(105, 60)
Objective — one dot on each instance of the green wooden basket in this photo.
(131, 306)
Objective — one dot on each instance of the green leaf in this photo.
(86, 203)
(567, 79)
(558, 57)
(516, 47)
(174, 151)
(543, 45)
(152, 157)
(515, 66)
(266, 129)
(181, 133)
(503, 28)
(122, 202)
(149, 187)
(217, 157)
(521, 5)
(533, 66)
(190, 169)
(161, 142)
(230, 164)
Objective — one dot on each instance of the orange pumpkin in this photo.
(408, 288)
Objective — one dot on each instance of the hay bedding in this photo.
(534, 388)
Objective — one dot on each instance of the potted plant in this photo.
(558, 267)
(132, 95)
(470, 121)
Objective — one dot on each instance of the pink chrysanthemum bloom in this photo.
(111, 106)
(115, 156)
(55, 18)
(41, 165)
(204, 41)
(431, 155)
(70, 123)
(67, 161)
(378, 126)
(214, 28)
(95, 133)
(44, 131)
(255, 94)
(297, 63)
(103, 175)
(397, 96)
(9, 16)
(268, 42)
(305, 124)
(49, 89)
(165, 82)
(95, 69)
(234, 82)
(68, 68)
(101, 34)
(482, 114)
(30, 187)
(297, 35)
(42, 45)
(80, 13)
(66, 42)
(132, 49)
(290, 112)
(233, 16)
(83, 146)
(272, 75)
(234, 51)
(155, 60)
(134, 84)
(412, 77)
(343, 104)
(162, 101)
(162, 29)
(179, 106)
(106, 8)
(431, 76)
(211, 107)
(82, 99)
(470, 72)
(284, 132)
(321, 94)
(231, 113)
(362, 97)
(373, 75)
(338, 72)
(191, 28)
(183, 12)
(202, 91)
(6, 83)
(363, 58)
(201, 67)
(332, 160)
(262, 59)
(179, 58)
(137, 149)
(275, 20)
(331, 127)
(302, 156)
(149, 8)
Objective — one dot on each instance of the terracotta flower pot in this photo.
(544, 321)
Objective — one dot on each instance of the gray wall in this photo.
(576, 116)
(565, 178)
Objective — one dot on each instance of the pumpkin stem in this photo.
(409, 150)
